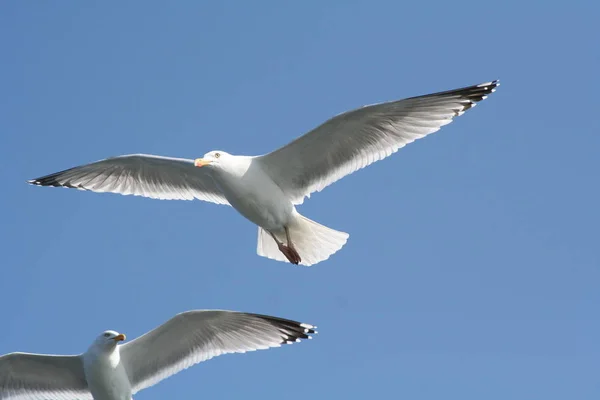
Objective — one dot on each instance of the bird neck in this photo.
(235, 166)
(102, 355)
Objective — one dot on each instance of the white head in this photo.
(108, 340)
(213, 158)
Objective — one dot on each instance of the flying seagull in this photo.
(111, 371)
(265, 189)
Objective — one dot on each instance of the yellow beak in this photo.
(119, 338)
(200, 162)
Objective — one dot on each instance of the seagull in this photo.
(112, 371)
(266, 189)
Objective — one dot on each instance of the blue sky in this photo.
(472, 269)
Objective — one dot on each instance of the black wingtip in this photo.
(490, 86)
(291, 331)
(302, 331)
(36, 182)
(478, 92)
(48, 180)
(53, 180)
(470, 95)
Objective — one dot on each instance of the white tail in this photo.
(313, 241)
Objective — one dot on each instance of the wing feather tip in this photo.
(494, 83)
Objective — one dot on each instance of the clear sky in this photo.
(473, 265)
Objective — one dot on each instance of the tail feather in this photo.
(313, 241)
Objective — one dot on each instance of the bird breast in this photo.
(254, 195)
(107, 378)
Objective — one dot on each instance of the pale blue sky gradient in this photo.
(472, 269)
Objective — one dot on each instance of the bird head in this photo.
(212, 158)
(108, 339)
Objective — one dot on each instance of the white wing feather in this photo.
(145, 175)
(40, 377)
(195, 336)
(355, 139)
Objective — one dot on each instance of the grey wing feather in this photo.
(145, 175)
(41, 377)
(195, 336)
(355, 139)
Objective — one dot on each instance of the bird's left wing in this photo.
(40, 377)
(357, 138)
(195, 336)
(157, 177)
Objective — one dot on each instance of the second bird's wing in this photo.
(195, 336)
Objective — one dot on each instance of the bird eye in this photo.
(107, 334)
(217, 155)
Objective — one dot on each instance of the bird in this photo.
(266, 189)
(109, 370)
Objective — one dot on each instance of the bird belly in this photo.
(258, 199)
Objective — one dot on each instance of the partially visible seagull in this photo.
(265, 189)
(110, 371)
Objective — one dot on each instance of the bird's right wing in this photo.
(157, 177)
(195, 336)
(41, 377)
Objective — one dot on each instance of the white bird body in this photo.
(105, 374)
(110, 371)
(265, 189)
(252, 193)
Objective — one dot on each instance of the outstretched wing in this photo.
(355, 139)
(195, 336)
(145, 175)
